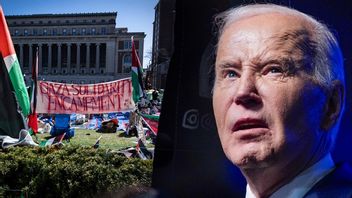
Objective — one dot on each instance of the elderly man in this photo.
(278, 99)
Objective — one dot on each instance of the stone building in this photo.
(163, 42)
(79, 48)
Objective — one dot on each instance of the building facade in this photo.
(163, 42)
(79, 48)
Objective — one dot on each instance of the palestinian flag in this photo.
(136, 72)
(57, 140)
(151, 121)
(13, 67)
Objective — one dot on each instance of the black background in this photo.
(189, 161)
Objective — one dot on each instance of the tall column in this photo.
(97, 54)
(30, 57)
(115, 55)
(49, 56)
(88, 52)
(78, 55)
(59, 56)
(21, 55)
(40, 56)
(68, 55)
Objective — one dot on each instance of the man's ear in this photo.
(334, 105)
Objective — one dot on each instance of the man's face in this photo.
(267, 108)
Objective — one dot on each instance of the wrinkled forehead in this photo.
(274, 32)
(278, 19)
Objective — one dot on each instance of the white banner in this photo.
(114, 96)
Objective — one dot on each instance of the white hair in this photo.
(326, 60)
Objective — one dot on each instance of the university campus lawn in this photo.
(85, 137)
(71, 170)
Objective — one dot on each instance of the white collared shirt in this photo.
(302, 183)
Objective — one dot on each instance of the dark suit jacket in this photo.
(337, 184)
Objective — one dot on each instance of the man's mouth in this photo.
(249, 123)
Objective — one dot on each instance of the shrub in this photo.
(71, 171)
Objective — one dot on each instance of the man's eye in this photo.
(274, 70)
(231, 74)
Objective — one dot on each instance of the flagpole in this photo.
(138, 89)
(32, 118)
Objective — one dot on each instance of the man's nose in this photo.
(247, 93)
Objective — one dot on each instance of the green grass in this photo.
(85, 137)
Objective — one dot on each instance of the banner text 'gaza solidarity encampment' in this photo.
(107, 97)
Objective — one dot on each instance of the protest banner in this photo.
(114, 96)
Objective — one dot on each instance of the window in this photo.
(83, 31)
(49, 22)
(54, 31)
(45, 32)
(127, 68)
(40, 22)
(93, 21)
(16, 32)
(103, 20)
(127, 62)
(14, 23)
(25, 32)
(127, 45)
(32, 22)
(93, 31)
(64, 31)
(103, 30)
(35, 32)
(67, 21)
(73, 31)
